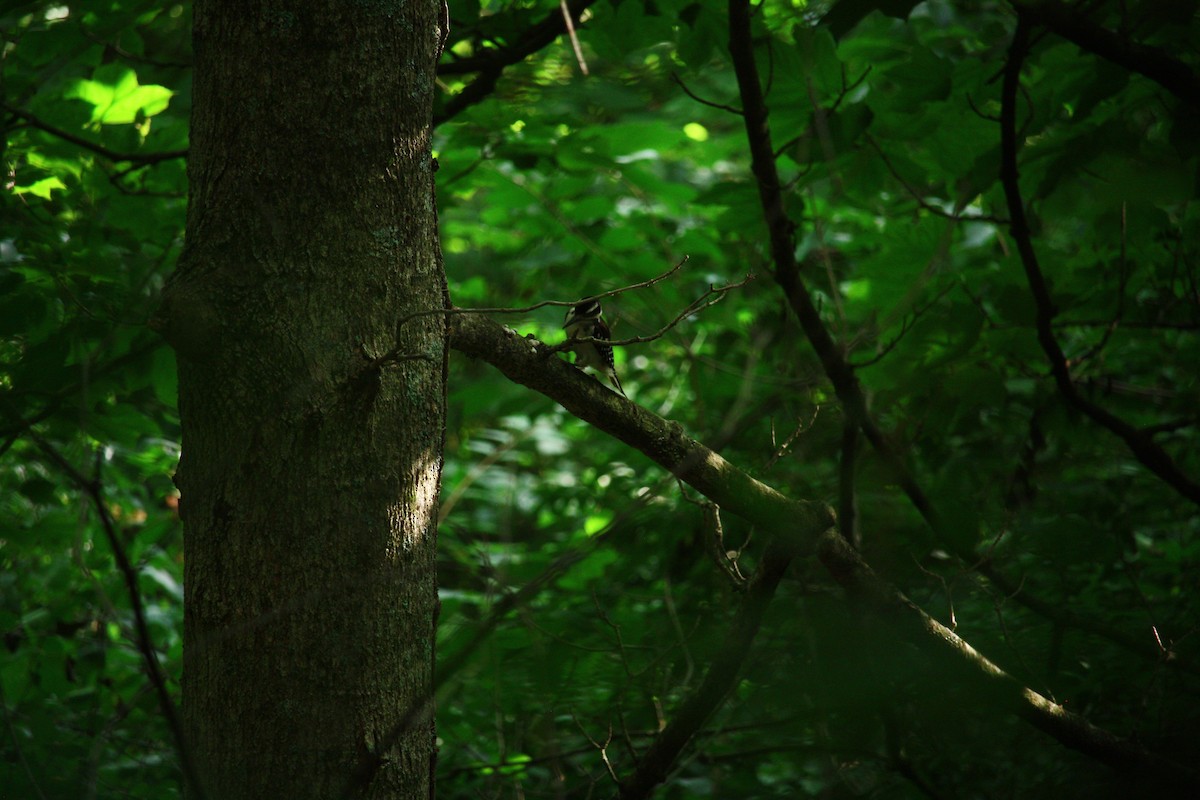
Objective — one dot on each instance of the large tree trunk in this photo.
(309, 479)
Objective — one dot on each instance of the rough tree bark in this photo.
(309, 479)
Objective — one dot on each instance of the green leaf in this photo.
(41, 188)
(116, 98)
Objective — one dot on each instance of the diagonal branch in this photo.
(992, 684)
(1144, 449)
(1173, 75)
(491, 63)
(783, 253)
(720, 679)
(795, 525)
(98, 149)
(145, 646)
(665, 442)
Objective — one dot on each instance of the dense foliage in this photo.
(580, 602)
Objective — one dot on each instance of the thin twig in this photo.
(921, 201)
(95, 491)
(721, 106)
(848, 89)
(945, 588)
(99, 149)
(695, 307)
(714, 537)
(673, 615)
(570, 25)
(544, 303)
(979, 113)
(395, 353)
(1145, 603)
(779, 451)
(603, 748)
(905, 326)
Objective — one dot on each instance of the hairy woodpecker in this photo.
(585, 321)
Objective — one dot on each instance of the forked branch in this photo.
(1028, 704)
(1143, 447)
(841, 373)
(794, 526)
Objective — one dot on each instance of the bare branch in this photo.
(919, 197)
(603, 748)
(570, 26)
(662, 441)
(717, 293)
(395, 353)
(715, 539)
(905, 326)
(721, 106)
(544, 303)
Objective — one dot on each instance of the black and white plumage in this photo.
(585, 321)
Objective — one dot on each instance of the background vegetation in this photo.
(1032, 478)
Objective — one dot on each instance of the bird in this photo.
(586, 321)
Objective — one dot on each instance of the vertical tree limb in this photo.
(1144, 449)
